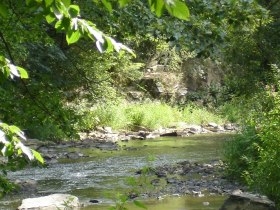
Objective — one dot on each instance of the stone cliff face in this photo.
(159, 82)
(200, 74)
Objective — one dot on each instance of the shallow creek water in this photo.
(104, 173)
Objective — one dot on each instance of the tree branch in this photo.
(39, 104)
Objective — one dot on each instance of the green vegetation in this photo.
(53, 86)
(253, 155)
(49, 19)
(149, 115)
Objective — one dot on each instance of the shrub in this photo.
(241, 154)
(254, 155)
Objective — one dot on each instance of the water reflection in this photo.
(105, 171)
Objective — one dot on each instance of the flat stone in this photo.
(195, 128)
(229, 126)
(50, 202)
(108, 130)
(247, 201)
(213, 125)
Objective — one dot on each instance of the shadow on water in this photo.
(104, 172)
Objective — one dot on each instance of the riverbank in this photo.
(191, 178)
(90, 168)
(180, 129)
(105, 138)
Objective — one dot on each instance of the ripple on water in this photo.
(107, 171)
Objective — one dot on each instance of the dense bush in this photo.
(253, 155)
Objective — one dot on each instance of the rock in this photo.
(25, 186)
(213, 129)
(51, 202)
(198, 194)
(220, 128)
(161, 174)
(204, 130)
(94, 201)
(152, 136)
(111, 137)
(205, 203)
(158, 67)
(132, 195)
(200, 73)
(247, 201)
(100, 129)
(135, 95)
(172, 181)
(136, 137)
(155, 182)
(160, 198)
(108, 130)
(154, 87)
(213, 125)
(195, 129)
(182, 92)
(229, 126)
(74, 155)
(174, 133)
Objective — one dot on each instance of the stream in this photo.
(102, 174)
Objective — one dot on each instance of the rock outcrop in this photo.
(247, 201)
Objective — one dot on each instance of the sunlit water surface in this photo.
(104, 173)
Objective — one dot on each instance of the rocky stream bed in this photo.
(171, 175)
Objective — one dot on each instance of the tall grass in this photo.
(200, 115)
(151, 115)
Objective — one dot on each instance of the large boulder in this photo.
(200, 74)
(51, 202)
(247, 201)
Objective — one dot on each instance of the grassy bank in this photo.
(151, 115)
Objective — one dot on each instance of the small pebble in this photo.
(206, 203)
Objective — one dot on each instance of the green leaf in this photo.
(58, 14)
(48, 3)
(60, 9)
(93, 32)
(62, 24)
(26, 150)
(178, 9)
(122, 3)
(58, 25)
(28, 2)
(74, 10)
(3, 10)
(108, 45)
(6, 72)
(22, 72)
(139, 204)
(157, 6)
(50, 18)
(72, 36)
(8, 150)
(38, 156)
(2, 60)
(108, 5)
(14, 129)
(66, 2)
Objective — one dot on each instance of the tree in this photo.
(66, 18)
